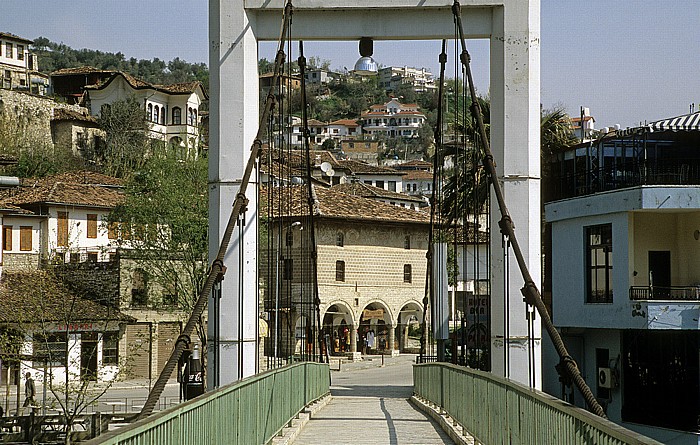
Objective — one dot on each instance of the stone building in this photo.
(371, 273)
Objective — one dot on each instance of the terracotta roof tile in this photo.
(7, 35)
(360, 167)
(346, 122)
(415, 175)
(81, 188)
(334, 204)
(80, 70)
(62, 114)
(370, 191)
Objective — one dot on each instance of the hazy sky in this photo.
(628, 61)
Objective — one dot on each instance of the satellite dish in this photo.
(330, 172)
(325, 167)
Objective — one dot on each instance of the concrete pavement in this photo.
(369, 405)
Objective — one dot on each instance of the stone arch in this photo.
(376, 328)
(338, 326)
(410, 315)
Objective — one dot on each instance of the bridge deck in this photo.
(370, 406)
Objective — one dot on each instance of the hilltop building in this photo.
(392, 119)
(19, 69)
(419, 79)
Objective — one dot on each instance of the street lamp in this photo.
(365, 65)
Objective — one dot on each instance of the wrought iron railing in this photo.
(497, 411)
(618, 176)
(650, 293)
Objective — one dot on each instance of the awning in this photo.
(686, 122)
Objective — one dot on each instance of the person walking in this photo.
(29, 392)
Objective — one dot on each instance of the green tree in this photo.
(166, 207)
(126, 141)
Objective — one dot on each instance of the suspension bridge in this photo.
(497, 180)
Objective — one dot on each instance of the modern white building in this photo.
(419, 79)
(625, 256)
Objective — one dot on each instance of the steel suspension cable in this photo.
(529, 290)
(311, 204)
(428, 295)
(217, 268)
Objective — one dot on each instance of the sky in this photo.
(627, 61)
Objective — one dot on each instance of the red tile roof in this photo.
(333, 204)
(10, 36)
(370, 191)
(138, 84)
(360, 167)
(80, 188)
(417, 175)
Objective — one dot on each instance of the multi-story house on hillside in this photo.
(625, 266)
(70, 83)
(419, 79)
(172, 110)
(19, 69)
(61, 221)
(392, 119)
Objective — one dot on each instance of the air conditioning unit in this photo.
(605, 378)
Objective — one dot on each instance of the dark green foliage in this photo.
(55, 56)
(126, 141)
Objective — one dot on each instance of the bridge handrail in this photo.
(499, 411)
(249, 411)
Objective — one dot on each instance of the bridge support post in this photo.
(513, 29)
(515, 140)
(233, 67)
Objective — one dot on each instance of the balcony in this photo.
(665, 158)
(662, 293)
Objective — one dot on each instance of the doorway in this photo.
(660, 273)
(88, 356)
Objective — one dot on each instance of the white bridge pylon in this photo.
(236, 27)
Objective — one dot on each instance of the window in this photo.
(8, 50)
(92, 257)
(392, 186)
(62, 229)
(75, 257)
(414, 187)
(139, 288)
(20, 52)
(407, 242)
(92, 225)
(190, 116)
(340, 270)
(112, 230)
(407, 276)
(340, 239)
(379, 184)
(25, 238)
(177, 116)
(368, 182)
(6, 237)
(289, 238)
(156, 114)
(52, 347)
(599, 264)
(110, 348)
(162, 115)
(288, 271)
(149, 112)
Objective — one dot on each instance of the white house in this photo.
(393, 119)
(420, 79)
(172, 110)
(381, 177)
(625, 267)
(19, 69)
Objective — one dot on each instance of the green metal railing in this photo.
(499, 411)
(249, 412)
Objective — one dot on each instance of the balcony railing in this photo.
(660, 293)
(586, 181)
